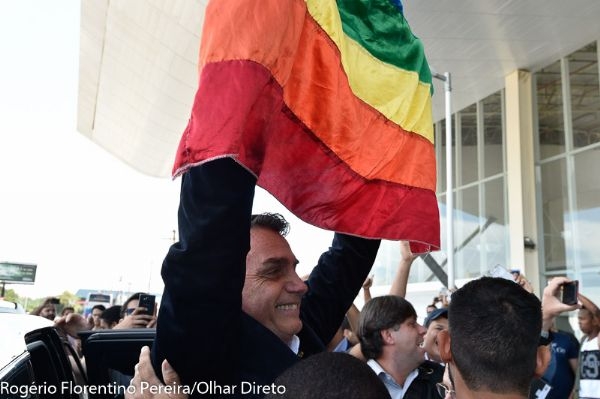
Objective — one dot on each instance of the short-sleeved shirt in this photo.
(589, 370)
(559, 374)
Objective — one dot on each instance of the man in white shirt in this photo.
(392, 341)
(589, 365)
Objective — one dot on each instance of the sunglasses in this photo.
(129, 311)
(444, 391)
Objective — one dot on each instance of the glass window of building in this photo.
(467, 233)
(570, 184)
(480, 222)
(551, 132)
(493, 135)
(466, 152)
(494, 234)
(480, 226)
(585, 96)
(554, 211)
(586, 213)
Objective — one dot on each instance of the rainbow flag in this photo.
(328, 103)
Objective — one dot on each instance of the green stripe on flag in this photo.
(382, 30)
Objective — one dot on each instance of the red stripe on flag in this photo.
(239, 112)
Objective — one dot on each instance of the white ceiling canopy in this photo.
(138, 61)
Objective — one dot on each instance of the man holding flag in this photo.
(326, 104)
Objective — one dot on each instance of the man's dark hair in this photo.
(272, 221)
(111, 315)
(330, 375)
(50, 301)
(65, 309)
(590, 313)
(381, 313)
(494, 326)
(101, 307)
(131, 298)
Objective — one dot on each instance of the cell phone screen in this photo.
(569, 292)
(147, 301)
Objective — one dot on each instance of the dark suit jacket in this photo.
(201, 328)
(423, 387)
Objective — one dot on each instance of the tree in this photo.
(11, 295)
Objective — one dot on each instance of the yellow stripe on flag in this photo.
(396, 93)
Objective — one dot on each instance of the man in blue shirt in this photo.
(560, 374)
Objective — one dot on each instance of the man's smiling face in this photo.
(273, 290)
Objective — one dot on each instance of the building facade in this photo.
(526, 180)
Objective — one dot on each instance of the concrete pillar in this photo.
(520, 168)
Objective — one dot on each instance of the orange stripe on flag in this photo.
(359, 135)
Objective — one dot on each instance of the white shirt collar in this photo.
(395, 390)
(295, 344)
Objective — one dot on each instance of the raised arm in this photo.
(335, 282)
(353, 314)
(551, 305)
(589, 305)
(401, 278)
(367, 289)
(200, 313)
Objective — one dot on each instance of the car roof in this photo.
(10, 307)
(13, 327)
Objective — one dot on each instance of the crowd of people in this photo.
(490, 338)
(231, 289)
(381, 318)
(494, 339)
(127, 315)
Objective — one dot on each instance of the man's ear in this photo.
(443, 343)
(387, 337)
(542, 360)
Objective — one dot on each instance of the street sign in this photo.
(19, 273)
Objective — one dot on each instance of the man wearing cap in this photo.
(435, 322)
(392, 342)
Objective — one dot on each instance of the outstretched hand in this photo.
(405, 252)
(401, 278)
(154, 388)
(138, 319)
(72, 324)
(523, 282)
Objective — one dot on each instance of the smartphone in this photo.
(499, 271)
(569, 292)
(147, 301)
